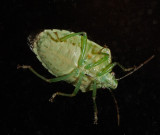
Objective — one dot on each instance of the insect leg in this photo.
(122, 67)
(45, 79)
(111, 66)
(64, 77)
(138, 67)
(105, 58)
(94, 102)
(33, 71)
(72, 94)
(71, 35)
(83, 44)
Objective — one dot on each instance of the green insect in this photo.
(71, 57)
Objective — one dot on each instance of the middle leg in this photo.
(72, 94)
(105, 58)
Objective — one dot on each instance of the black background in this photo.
(129, 28)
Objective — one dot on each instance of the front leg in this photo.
(111, 66)
(132, 69)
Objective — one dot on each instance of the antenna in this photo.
(116, 105)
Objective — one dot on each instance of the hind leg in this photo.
(72, 94)
(61, 78)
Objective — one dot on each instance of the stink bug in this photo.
(75, 59)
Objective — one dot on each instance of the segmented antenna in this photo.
(112, 94)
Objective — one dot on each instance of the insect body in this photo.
(75, 59)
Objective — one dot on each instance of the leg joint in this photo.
(73, 94)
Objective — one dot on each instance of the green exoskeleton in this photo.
(71, 57)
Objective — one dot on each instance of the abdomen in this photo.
(60, 58)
